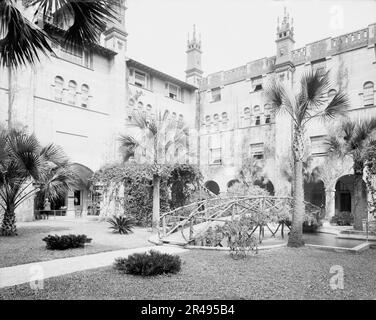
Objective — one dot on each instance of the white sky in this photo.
(233, 32)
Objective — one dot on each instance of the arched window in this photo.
(59, 86)
(216, 117)
(140, 105)
(368, 94)
(331, 94)
(207, 118)
(131, 102)
(256, 109)
(181, 118)
(174, 116)
(247, 111)
(84, 95)
(224, 116)
(72, 92)
(148, 107)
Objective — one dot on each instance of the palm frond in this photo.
(338, 106)
(54, 154)
(89, 17)
(22, 42)
(128, 145)
(314, 87)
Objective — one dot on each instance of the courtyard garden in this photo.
(284, 273)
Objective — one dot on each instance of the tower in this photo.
(194, 71)
(285, 39)
(115, 36)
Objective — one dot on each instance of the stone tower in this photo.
(194, 70)
(285, 39)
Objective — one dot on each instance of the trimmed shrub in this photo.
(122, 224)
(70, 241)
(150, 263)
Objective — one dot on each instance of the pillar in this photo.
(330, 194)
(70, 206)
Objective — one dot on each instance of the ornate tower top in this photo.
(194, 43)
(285, 29)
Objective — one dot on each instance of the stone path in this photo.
(11, 276)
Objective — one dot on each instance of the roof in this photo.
(159, 74)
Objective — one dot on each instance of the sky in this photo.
(233, 32)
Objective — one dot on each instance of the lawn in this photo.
(28, 245)
(275, 274)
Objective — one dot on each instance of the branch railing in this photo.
(194, 219)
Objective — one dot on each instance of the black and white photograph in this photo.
(187, 151)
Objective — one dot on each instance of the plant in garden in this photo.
(150, 263)
(23, 162)
(64, 242)
(159, 139)
(308, 104)
(239, 236)
(354, 138)
(122, 224)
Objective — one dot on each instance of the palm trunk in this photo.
(296, 234)
(156, 203)
(8, 227)
(360, 202)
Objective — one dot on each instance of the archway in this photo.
(266, 184)
(212, 186)
(232, 182)
(314, 192)
(79, 200)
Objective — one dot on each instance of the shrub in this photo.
(122, 224)
(64, 242)
(149, 263)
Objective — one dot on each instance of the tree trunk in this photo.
(360, 202)
(8, 227)
(296, 233)
(156, 203)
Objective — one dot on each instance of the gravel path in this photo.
(275, 274)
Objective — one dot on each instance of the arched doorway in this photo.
(266, 184)
(232, 182)
(314, 192)
(212, 186)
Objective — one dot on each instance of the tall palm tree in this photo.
(159, 139)
(353, 138)
(22, 163)
(22, 42)
(309, 103)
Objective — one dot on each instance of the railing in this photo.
(194, 219)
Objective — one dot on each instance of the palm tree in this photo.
(56, 181)
(22, 163)
(22, 42)
(304, 106)
(353, 138)
(160, 139)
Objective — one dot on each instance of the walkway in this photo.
(11, 276)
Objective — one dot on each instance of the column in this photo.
(70, 207)
(329, 203)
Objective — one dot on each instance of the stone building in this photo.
(236, 123)
(82, 99)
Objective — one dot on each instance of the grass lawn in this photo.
(28, 245)
(275, 274)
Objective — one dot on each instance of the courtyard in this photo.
(283, 273)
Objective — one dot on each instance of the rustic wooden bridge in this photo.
(182, 225)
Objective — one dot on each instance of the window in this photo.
(174, 92)
(216, 117)
(215, 156)
(267, 118)
(140, 105)
(256, 109)
(318, 146)
(77, 197)
(257, 84)
(216, 94)
(368, 94)
(247, 111)
(59, 86)
(148, 108)
(258, 121)
(72, 92)
(131, 102)
(207, 118)
(173, 116)
(84, 96)
(257, 151)
(140, 79)
(181, 118)
(319, 67)
(224, 116)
